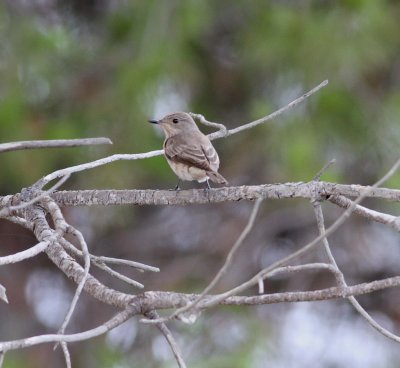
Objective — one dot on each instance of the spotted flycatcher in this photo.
(188, 151)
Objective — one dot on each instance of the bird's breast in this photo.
(186, 172)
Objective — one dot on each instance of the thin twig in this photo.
(100, 264)
(55, 143)
(25, 254)
(369, 214)
(81, 284)
(118, 275)
(115, 321)
(8, 210)
(323, 170)
(341, 280)
(3, 294)
(19, 221)
(126, 262)
(221, 127)
(169, 337)
(260, 286)
(67, 355)
(306, 267)
(223, 269)
(167, 300)
(270, 116)
(90, 165)
(264, 273)
(109, 260)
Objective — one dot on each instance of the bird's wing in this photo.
(178, 150)
(211, 155)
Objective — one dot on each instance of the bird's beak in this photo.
(153, 121)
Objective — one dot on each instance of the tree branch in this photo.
(369, 214)
(308, 190)
(169, 337)
(151, 300)
(341, 280)
(223, 269)
(137, 156)
(55, 143)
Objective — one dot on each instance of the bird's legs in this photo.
(177, 187)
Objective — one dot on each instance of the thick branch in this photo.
(265, 191)
(167, 300)
(69, 266)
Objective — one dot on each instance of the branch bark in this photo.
(199, 196)
(55, 143)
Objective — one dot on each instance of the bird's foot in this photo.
(177, 187)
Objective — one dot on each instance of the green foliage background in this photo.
(75, 70)
(72, 69)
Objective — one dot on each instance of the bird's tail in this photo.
(216, 177)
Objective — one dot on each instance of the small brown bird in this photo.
(188, 151)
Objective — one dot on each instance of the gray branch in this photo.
(199, 196)
(55, 143)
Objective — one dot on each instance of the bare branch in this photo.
(6, 211)
(25, 254)
(223, 269)
(166, 300)
(67, 355)
(341, 280)
(81, 284)
(119, 276)
(69, 266)
(117, 320)
(221, 127)
(264, 273)
(369, 214)
(169, 337)
(55, 143)
(19, 221)
(126, 262)
(90, 165)
(109, 260)
(3, 294)
(217, 195)
(323, 170)
(306, 267)
(268, 117)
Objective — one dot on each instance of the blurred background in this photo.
(74, 69)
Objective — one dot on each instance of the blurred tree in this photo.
(71, 68)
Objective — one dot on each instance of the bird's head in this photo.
(176, 123)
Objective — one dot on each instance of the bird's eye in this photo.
(175, 121)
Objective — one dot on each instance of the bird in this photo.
(188, 151)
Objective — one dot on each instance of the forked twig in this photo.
(265, 272)
(153, 315)
(341, 280)
(220, 134)
(222, 270)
